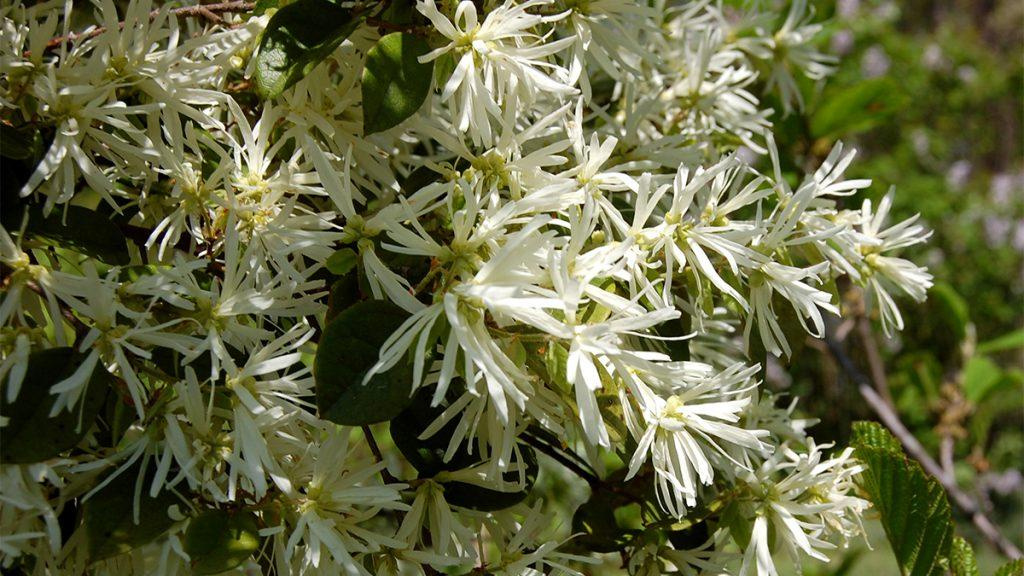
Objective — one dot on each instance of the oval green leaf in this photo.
(350, 346)
(109, 521)
(31, 435)
(298, 37)
(219, 540)
(395, 83)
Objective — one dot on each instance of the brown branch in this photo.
(875, 363)
(372, 442)
(913, 446)
(208, 11)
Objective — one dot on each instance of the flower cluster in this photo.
(587, 227)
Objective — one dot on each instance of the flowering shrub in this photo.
(533, 236)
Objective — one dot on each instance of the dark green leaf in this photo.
(350, 346)
(298, 37)
(427, 455)
(108, 517)
(419, 178)
(219, 540)
(913, 506)
(342, 262)
(395, 83)
(80, 229)
(596, 524)
(485, 499)
(31, 435)
(20, 143)
(344, 293)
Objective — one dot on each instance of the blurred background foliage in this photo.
(930, 93)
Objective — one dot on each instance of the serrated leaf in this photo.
(395, 83)
(108, 516)
(913, 506)
(1012, 568)
(31, 435)
(350, 346)
(219, 540)
(961, 558)
(297, 38)
(342, 262)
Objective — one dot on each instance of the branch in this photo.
(208, 11)
(892, 421)
(562, 459)
(372, 442)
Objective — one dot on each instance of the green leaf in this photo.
(487, 500)
(31, 435)
(961, 559)
(108, 517)
(913, 506)
(856, 108)
(20, 143)
(395, 83)
(980, 376)
(350, 346)
(219, 540)
(79, 229)
(342, 262)
(262, 6)
(1011, 341)
(297, 38)
(344, 293)
(1012, 568)
(427, 455)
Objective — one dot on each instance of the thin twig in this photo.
(208, 11)
(892, 421)
(372, 442)
(874, 357)
(562, 459)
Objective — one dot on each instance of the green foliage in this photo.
(342, 262)
(915, 511)
(395, 83)
(961, 559)
(219, 540)
(297, 38)
(20, 143)
(1011, 341)
(112, 523)
(427, 455)
(31, 434)
(487, 500)
(856, 108)
(1014, 568)
(75, 228)
(350, 346)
